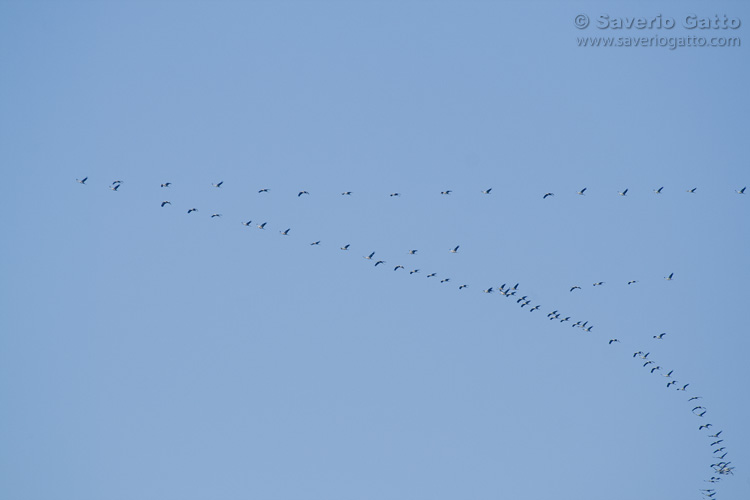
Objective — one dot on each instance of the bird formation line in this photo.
(720, 468)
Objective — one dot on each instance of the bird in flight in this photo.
(582, 191)
(285, 232)
(166, 184)
(489, 290)
(215, 215)
(398, 267)
(683, 387)
(446, 192)
(395, 194)
(694, 398)
(741, 191)
(632, 281)
(114, 187)
(715, 435)
(671, 383)
(575, 287)
(460, 287)
(262, 226)
(623, 193)
(669, 278)
(598, 283)
(318, 243)
(487, 191)
(431, 275)
(346, 193)
(247, 223)
(534, 308)
(82, 181)
(658, 191)
(264, 190)
(548, 194)
(379, 262)
(369, 257)
(412, 252)
(669, 375)
(691, 190)
(414, 271)
(116, 182)
(165, 203)
(660, 336)
(455, 250)
(217, 185)
(445, 280)
(301, 193)
(190, 210)
(655, 368)
(345, 247)
(613, 340)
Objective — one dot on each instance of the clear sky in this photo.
(154, 354)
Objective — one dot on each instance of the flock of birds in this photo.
(720, 466)
(116, 184)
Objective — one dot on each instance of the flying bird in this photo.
(669, 375)
(398, 267)
(715, 435)
(632, 281)
(247, 223)
(215, 215)
(264, 190)
(613, 340)
(598, 283)
(582, 191)
(165, 203)
(346, 193)
(166, 184)
(301, 193)
(345, 247)
(548, 194)
(683, 387)
(487, 191)
(534, 308)
(262, 226)
(455, 250)
(82, 181)
(412, 252)
(414, 271)
(669, 278)
(460, 287)
(114, 187)
(369, 257)
(623, 193)
(716, 442)
(218, 185)
(691, 190)
(285, 233)
(658, 191)
(445, 280)
(446, 192)
(489, 290)
(190, 210)
(395, 194)
(575, 287)
(655, 368)
(660, 336)
(694, 397)
(318, 243)
(741, 191)
(431, 275)
(116, 182)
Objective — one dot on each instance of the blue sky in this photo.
(150, 353)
